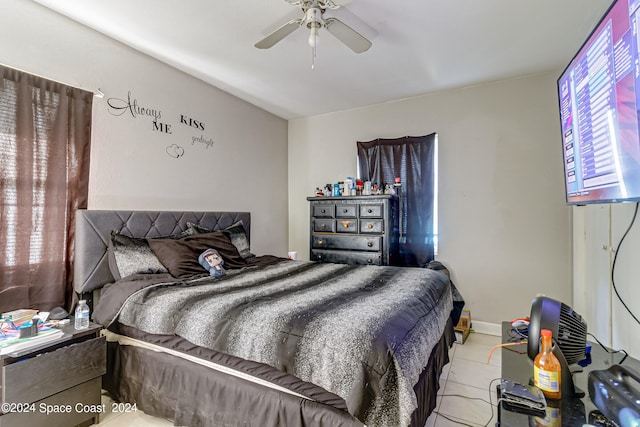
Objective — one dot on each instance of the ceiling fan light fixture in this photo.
(313, 36)
(313, 20)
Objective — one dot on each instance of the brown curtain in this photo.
(412, 159)
(45, 133)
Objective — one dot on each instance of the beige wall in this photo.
(130, 164)
(505, 231)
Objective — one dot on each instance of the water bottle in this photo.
(82, 315)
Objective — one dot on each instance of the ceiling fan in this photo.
(314, 20)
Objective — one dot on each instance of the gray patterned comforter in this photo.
(364, 333)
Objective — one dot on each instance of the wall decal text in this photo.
(118, 107)
(191, 122)
(131, 106)
(202, 140)
(162, 127)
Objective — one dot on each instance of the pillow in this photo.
(238, 237)
(198, 229)
(180, 257)
(236, 233)
(132, 255)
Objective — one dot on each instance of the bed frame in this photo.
(199, 398)
(93, 232)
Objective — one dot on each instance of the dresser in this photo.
(354, 229)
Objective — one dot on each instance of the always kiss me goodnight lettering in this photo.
(118, 107)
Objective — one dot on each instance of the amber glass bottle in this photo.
(547, 370)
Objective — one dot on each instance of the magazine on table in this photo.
(10, 341)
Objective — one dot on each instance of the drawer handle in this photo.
(323, 210)
(345, 210)
(323, 225)
(320, 241)
(370, 210)
(370, 226)
(370, 261)
(370, 244)
(345, 224)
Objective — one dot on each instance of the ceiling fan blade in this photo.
(347, 35)
(334, 4)
(279, 34)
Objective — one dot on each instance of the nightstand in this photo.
(57, 384)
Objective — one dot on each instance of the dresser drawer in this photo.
(323, 211)
(371, 211)
(359, 243)
(373, 226)
(324, 225)
(49, 373)
(347, 226)
(346, 211)
(347, 257)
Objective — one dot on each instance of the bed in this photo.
(273, 342)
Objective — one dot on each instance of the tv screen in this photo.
(599, 96)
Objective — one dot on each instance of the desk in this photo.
(517, 366)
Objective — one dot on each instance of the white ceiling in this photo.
(419, 46)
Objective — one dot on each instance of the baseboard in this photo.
(486, 328)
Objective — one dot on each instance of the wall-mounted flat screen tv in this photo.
(599, 96)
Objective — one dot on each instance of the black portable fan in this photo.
(569, 336)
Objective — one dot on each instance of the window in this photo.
(45, 131)
(414, 161)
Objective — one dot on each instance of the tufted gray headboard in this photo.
(93, 233)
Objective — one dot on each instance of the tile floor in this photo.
(463, 395)
(465, 384)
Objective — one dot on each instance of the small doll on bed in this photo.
(212, 262)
